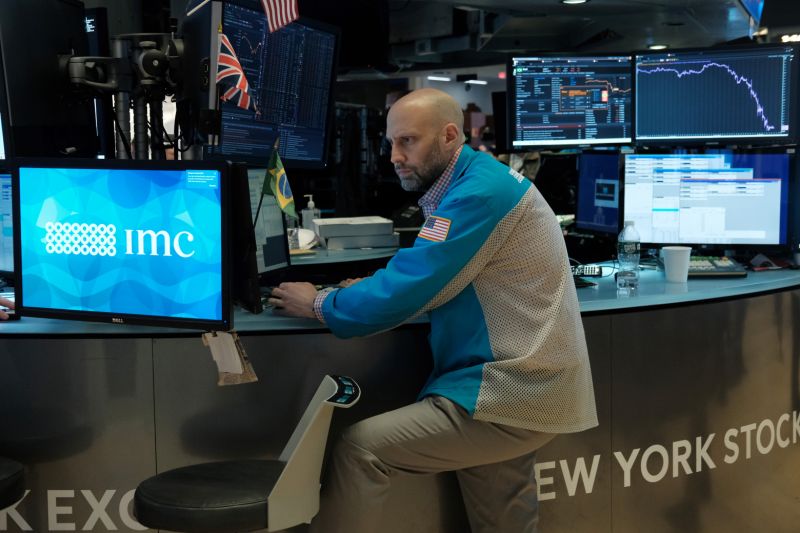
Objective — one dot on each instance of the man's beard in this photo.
(423, 177)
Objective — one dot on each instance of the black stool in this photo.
(12, 482)
(247, 495)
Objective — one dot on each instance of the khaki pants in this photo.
(494, 465)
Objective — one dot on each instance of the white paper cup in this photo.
(676, 263)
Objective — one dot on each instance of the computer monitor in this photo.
(269, 224)
(569, 100)
(290, 73)
(739, 95)
(6, 226)
(123, 241)
(724, 199)
(599, 192)
(47, 119)
(557, 180)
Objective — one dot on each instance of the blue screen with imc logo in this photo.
(122, 241)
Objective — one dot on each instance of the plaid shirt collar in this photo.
(430, 200)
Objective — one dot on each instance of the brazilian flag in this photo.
(276, 183)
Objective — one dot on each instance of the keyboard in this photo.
(715, 267)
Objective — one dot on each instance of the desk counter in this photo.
(697, 388)
(653, 293)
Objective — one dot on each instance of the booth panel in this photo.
(703, 411)
(573, 473)
(79, 415)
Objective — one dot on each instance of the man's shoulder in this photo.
(484, 175)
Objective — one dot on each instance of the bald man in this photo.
(510, 366)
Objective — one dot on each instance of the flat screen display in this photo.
(721, 95)
(713, 199)
(272, 246)
(138, 242)
(290, 73)
(598, 193)
(568, 101)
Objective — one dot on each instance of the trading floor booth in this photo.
(697, 387)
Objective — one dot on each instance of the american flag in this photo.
(279, 13)
(231, 75)
(435, 229)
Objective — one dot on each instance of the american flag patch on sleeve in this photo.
(435, 229)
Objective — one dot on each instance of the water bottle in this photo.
(628, 257)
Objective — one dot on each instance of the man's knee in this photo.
(348, 455)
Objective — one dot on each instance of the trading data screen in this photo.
(715, 94)
(290, 75)
(724, 199)
(598, 193)
(6, 228)
(563, 101)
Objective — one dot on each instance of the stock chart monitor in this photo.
(716, 95)
(289, 80)
(569, 101)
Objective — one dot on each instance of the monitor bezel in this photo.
(211, 150)
(223, 324)
(718, 248)
(511, 99)
(620, 183)
(741, 142)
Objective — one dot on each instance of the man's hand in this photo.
(294, 299)
(5, 303)
(349, 281)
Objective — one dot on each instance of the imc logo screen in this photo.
(144, 242)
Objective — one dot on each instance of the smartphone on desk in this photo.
(12, 314)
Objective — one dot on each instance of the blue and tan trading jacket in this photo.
(490, 268)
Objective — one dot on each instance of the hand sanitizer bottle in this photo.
(309, 213)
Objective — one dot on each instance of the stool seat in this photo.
(12, 482)
(250, 494)
(210, 497)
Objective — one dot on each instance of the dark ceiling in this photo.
(424, 34)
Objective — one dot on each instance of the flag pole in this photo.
(261, 198)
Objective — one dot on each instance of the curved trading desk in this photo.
(696, 386)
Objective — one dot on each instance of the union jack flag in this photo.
(280, 13)
(435, 229)
(231, 76)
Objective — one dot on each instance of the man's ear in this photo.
(451, 133)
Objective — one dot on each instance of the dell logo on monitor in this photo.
(139, 245)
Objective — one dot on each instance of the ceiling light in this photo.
(574, 1)
(657, 46)
(477, 82)
(438, 78)
(794, 38)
